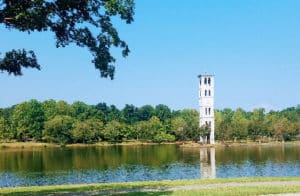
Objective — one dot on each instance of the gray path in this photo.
(287, 194)
(189, 187)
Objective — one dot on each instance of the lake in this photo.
(75, 165)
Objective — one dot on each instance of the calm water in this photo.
(132, 163)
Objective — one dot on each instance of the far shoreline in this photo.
(182, 144)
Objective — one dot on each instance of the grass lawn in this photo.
(229, 191)
(161, 184)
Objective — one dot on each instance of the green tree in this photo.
(103, 111)
(282, 128)
(113, 131)
(88, 131)
(291, 113)
(64, 109)
(81, 111)
(139, 130)
(103, 108)
(130, 114)
(191, 118)
(59, 130)
(239, 124)
(269, 119)
(145, 112)
(147, 130)
(71, 22)
(28, 120)
(154, 127)
(131, 132)
(49, 108)
(257, 127)
(163, 137)
(296, 128)
(223, 123)
(114, 114)
(178, 128)
(163, 112)
(219, 125)
(5, 133)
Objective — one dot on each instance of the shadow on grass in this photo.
(146, 193)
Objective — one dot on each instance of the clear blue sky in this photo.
(252, 46)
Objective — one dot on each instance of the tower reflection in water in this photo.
(207, 163)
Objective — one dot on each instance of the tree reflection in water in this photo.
(90, 164)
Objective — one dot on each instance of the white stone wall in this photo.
(206, 102)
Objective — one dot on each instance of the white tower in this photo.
(206, 105)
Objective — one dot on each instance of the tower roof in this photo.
(205, 75)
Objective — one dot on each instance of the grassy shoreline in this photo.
(185, 144)
(102, 187)
(26, 145)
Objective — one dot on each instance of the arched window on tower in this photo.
(208, 92)
(205, 80)
(208, 111)
(209, 81)
(205, 93)
(205, 111)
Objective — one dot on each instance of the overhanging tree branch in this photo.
(14, 60)
(71, 22)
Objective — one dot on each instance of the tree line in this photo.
(258, 125)
(63, 123)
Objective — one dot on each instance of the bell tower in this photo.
(206, 106)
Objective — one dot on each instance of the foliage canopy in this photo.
(60, 122)
(71, 22)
